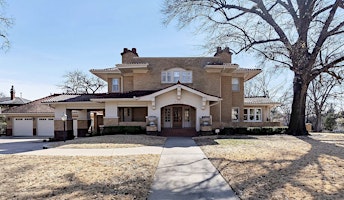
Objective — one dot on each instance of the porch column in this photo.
(111, 114)
(63, 130)
(154, 110)
(82, 123)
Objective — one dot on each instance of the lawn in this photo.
(280, 166)
(78, 177)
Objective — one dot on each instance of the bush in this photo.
(113, 130)
(254, 130)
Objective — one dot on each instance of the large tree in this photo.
(5, 24)
(78, 82)
(305, 36)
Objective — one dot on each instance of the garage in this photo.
(22, 127)
(45, 127)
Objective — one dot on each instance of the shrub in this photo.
(113, 130)
(254, 130)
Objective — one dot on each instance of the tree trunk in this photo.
(318, 122)
(297, 124)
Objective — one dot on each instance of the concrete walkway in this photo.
(184, 172)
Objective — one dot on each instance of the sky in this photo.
(51, 38)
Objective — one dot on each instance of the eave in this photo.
(247, 73)
(133, 67)
(221, 68)
(106, 73)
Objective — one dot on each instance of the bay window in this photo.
(252, 114)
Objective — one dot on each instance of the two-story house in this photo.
(173, 92)
(167, 93)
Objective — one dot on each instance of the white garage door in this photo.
(22, 127)
(45, 127)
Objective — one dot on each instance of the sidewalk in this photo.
(184, 172)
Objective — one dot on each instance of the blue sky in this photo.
(50, 38)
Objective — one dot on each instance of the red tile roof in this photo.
(32, 107)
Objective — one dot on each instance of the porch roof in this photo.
(255, 101)
(89, 97)
(131, 95)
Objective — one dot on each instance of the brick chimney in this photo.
(128, 54)
(224, 54)
(13, 93)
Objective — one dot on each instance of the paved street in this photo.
(12, 145)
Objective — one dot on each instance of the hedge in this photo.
(254, 130)
(113, 130)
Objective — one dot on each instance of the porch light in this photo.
(64, 119)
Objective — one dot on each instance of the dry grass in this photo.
(77, 177)
(280, 166)
(53, 177)
(110, 141)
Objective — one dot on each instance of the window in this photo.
(187, 114)
(115, 85)
(253, 114)
(235, 84)
(175, 75)
(235, 114)
(167, 114)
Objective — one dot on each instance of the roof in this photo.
(88, 97)
(67, 98)
(259, 101)
(15, 101)
(32, 107)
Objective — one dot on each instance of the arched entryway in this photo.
(178, 120)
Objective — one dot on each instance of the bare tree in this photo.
(78, 82)
(305, 36)
(5, 24)
(320, 90)
(265, 84)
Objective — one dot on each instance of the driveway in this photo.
(12, 145)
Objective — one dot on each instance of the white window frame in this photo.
(237, 111)
(115, 87)
(175, 75)
(235, 84)
(253, 114)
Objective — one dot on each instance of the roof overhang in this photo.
(106, 73)
(247, 73)
(221, 68)
(133, 68)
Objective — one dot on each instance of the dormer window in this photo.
(175, 75)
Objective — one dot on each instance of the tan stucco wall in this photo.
(82, 124)
(110, 121)
(59, 125)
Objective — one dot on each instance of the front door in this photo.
(177, 117)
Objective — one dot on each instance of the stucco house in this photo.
(165, 94)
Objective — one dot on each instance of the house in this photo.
(11, 101)
(30, 119)
(164, 94)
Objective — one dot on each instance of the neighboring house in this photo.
(11, 101)
(30, 119)
(163, 94)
